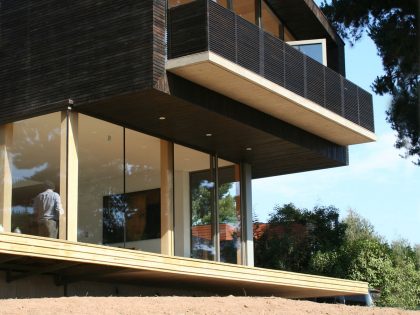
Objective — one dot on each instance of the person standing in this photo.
(47, 206)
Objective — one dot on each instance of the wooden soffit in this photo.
(227, 78)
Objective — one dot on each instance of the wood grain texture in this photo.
(191, 111)
(142, 267)
(248, 46)
(52, 51)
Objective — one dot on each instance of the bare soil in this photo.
(183, 305)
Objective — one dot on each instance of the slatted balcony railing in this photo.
(204, 25)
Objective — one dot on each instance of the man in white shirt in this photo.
(47, 206)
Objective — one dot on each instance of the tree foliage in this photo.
(294, 235)
(202, 204)
(393, 26)
(318, 242)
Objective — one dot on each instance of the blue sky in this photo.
(378, 184)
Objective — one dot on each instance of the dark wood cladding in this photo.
(242, 42)
(187, 26)
(192, 111)
(53, 50)
(233, 110)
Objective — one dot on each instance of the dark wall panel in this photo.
(83, 50)
(187, 29)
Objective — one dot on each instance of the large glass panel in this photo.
(229, 205)
(270, 22)
(194, 195)
(245, 9)
(313, 50)
(101, 182)
(34, 162)
(142, 169)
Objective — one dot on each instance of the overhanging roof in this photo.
(227, 78)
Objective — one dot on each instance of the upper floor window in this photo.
(314, 48)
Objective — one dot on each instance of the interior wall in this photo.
(182, 214)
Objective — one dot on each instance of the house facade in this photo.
(150, 119)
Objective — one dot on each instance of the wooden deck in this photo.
(25, 255)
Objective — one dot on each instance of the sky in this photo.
(378, 184)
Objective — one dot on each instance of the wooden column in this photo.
(6, 138)
(167, 197)
(69, 173)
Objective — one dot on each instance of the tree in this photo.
(364, 256)
(318, 242)
(393, 26)
(293, 236)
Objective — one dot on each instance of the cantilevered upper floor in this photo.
(223, 68)
(217, 48)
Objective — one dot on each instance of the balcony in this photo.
(213, 47)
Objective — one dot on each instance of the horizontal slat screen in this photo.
(223, 32)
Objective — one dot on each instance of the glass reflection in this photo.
(311, 50)
(194, 195)
(100, 176)
(34, 161)
(142, 191)
(119, 186)
(229, 208)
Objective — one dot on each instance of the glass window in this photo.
(142, 191)
(270, 22)
(245, 9)
(194, 195)
(101, 182)
(34, 164)
(312, 48)
(229, 207)
(119, 191)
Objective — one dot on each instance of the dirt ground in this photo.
(182, 305)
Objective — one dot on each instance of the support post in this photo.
(6, 138)
(167, 197)
(69, 167)
(248, 226)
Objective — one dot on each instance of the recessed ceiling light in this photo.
(249, 149)
(162, 118)
(209, 134)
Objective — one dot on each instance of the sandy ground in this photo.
(182, 305)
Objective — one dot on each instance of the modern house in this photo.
(151, 118)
